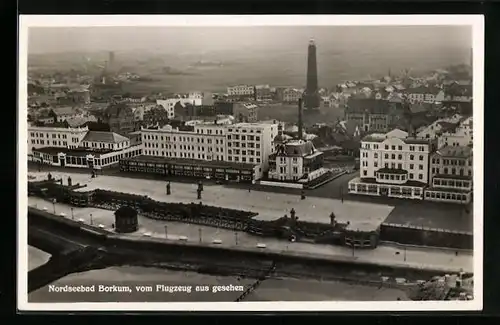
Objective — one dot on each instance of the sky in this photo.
(260, 38)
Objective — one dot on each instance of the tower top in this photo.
(311, 41)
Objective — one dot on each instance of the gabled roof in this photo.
(65, 110)
(455, 151)
(296, 149)
(115, 109)
(106, 137)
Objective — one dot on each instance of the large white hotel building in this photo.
(393, 165)
(240, 143)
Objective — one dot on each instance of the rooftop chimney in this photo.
(300, 119)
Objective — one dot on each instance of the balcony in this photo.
(391, 176)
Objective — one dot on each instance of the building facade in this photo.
(241, 91)
(373, 115)
(120, 118)
(263, 93)
(60, 137)
(451, 175)
(424, 94)
(246, 112)
(393, 165)
(94, 150)
(292, 95)
(294, 160)
(241, 143)
(462, 135)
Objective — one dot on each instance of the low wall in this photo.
(281, 184)
(421, 236)
(188, 250)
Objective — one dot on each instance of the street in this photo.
(390, 255)
(269, 205)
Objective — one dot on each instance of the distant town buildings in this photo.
(246, 112)
(292, 95)
(425, 94)
(119, 117)
(263, 93)
(239, 91)
(375, 115)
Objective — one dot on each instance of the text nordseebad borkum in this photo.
(101, 288)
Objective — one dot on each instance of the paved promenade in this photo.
(269, 206)
(389, 255)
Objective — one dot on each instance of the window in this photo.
(375, 155)
(400, 166)
(386, 156)
(375, 164)
(393, 147)
(393, 156)
(420, 176)
(421, 157)
(411, 175)
(400, 148)
(412, 157)
(365, 172)
(412, 148)
(386, 147)
(421, 167)
(400, 157)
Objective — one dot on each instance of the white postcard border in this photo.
(475, 21)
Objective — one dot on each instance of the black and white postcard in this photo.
(250, 163)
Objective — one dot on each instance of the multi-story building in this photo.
(202, 142)
(461, 135)
(194, 98)
(60, 137)
(78, 147)
(246, 112)
(120, 118)
(64, 113)
(251, 143)
(458, 93)
(373, 115)
(294, 160)
(393, 165)
(292, 95)
(225, 151)
(263, 93)
(425, 94)
(451, 175)
(241, 91)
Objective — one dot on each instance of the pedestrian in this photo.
(249, 190)
(456, 253)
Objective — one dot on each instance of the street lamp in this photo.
(91, 219)
(199, 235)
(404, 256)
(72, 214)
(236, 238)
(54, 205)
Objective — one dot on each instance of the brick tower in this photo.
(311, 96)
